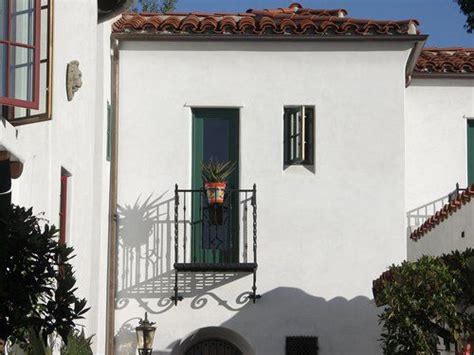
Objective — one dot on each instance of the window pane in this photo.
(3, 70)
(21, 73)
(292, 136)
(216, 140)
(3, 19)
(42, 90)
(44, 34)
(19, 112)
(23, 21)
(299, 129)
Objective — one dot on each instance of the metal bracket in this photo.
(254, 297)
(176, 299)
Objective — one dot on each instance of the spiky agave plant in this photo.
(217, 171)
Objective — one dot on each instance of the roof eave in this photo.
(421, 75)
(134, 36)
(413, 58)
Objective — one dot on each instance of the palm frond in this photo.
(217, 171)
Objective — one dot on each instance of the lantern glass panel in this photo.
(140, 340)
(148, 335)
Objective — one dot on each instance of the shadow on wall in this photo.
(146, 277)
(342, 326)
(146, 257)
(126, 337)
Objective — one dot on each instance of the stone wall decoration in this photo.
(73, 79)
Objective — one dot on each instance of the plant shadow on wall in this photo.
(342, 326)
(146, 257)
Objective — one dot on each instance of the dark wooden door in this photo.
(215, 136)
(214, 347)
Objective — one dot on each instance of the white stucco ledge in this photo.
(9, 141)
(214, 104)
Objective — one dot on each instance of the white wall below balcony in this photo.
(454, 233)
(324, 235)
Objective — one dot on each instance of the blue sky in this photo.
(440, 19)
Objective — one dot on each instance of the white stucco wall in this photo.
(75, 139)
(454, 233)
(436, 156)
(323, 235)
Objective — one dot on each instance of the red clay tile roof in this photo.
(446, 61)
(443, 214)
(294, 20)
(378, 285)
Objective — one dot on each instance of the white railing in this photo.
(417, 216)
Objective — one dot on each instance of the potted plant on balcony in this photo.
(215, 174)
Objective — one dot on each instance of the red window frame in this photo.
(63, 209)
(36, 47)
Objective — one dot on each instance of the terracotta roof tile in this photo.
(446, 61)
(294, 20)
(446, 211)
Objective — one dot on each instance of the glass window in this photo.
(21, 115)
(299, 135)
(20, 53)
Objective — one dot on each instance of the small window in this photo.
(299, 135)
(20, 114)
(302, 345)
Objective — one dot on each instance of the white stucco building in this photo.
(62, 144)
(342, 131)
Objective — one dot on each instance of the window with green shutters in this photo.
(298, 135)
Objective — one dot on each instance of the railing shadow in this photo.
(342, 326)
(145, 259)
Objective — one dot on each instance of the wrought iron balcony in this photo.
(215, 237)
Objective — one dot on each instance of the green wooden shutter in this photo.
(309, 136)
(286, 137)
(470, 152)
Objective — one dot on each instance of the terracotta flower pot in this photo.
(16, 169)
(215, 192)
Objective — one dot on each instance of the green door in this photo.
(470, 152)
(215, 135)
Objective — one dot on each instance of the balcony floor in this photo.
(222, 267)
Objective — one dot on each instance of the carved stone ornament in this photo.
(73, 79)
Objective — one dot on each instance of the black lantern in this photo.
(145, 336)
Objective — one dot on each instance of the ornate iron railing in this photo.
(215, 237)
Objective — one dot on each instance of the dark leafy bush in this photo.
(426, 301)
(37, 283)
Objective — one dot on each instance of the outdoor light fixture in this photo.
(145, 336)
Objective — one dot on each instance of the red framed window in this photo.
(20, 35)
(63, 208)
